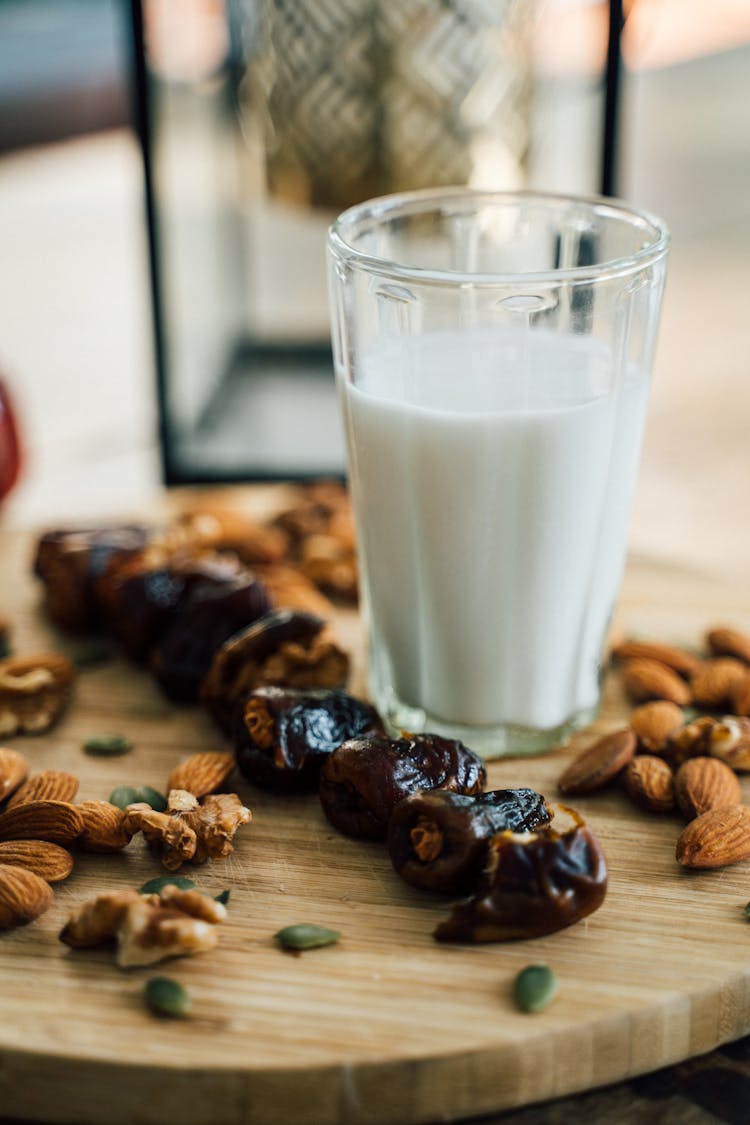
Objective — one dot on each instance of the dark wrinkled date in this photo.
(534, 884)
(286, 648)
(438, 840)
(283, 736)
(365, 778)
(211, 615)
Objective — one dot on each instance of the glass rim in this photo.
(413, 202)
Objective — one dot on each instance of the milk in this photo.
(492, 475)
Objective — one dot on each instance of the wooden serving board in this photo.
(387, 1026)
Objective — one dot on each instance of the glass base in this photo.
(500, 741)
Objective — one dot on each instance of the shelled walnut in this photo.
(34, 692)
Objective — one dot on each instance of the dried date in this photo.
(438, 840)
(283, 736)
(210, 617)
(534, 884)
(287, 648)
(365, 778)
(70, 561)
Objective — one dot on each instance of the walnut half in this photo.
(190, 831)
(147, 928)
(34, 691)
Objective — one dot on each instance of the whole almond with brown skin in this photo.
(654, 722)
(13, 769)
(714, 681)
(739, 701)
(23, 896)
(55, 821)
(725, 641)
(646, 679)
(49, 861)
(50, 785)
(597, 766)
(680, 661)
(705, 783)
(716, 838)
(649, 783)
(202, 773)
(103, 827)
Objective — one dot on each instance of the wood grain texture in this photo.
(387, 1026)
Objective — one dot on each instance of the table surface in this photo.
(674, 601)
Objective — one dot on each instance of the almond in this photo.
(50, 785)
(705, 783)
(680, 661)
(49, 861)
(714, 681)
(13, 770)
(597, 766)
(739, 699)
(716, 838)
(55, 821)
(653, 724)
(649, 783)
(103, 827)
(23, 896)
(646, 679)
(202, 773)
(730, 742)
(725, 641)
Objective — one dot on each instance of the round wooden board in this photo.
(387, 1026)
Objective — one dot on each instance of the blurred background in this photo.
(258, 120)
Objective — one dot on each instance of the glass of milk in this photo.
(493, 354)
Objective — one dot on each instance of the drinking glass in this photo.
(493, 355)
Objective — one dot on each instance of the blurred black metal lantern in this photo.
(259, 121)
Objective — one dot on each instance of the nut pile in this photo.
(41, 826)
(667, 763)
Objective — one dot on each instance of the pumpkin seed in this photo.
(153, 886)
(222, 897)
(166, 997)
(305, 935)
(123, 795)
(534, 988)
(149, 796)
(5, 649)
(747, 910)
(104, 745)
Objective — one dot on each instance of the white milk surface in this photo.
(492, 475)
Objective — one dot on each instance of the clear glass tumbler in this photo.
(493, 353)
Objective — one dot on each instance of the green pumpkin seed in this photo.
(153, 886)
(222, 897)
(306, 936)
(123, 795)
(149, 796)
(5, 648)
(534, 988)
(747, 910)
(166, 997)
(104, 745)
